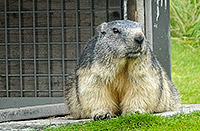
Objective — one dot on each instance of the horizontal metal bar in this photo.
(41, 59)
(45, 43)
(45, 28)
(88, 10)
(31, 90)
(32, 75)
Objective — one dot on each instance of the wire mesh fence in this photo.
(40, 42)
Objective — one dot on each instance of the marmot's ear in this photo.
(101, 29)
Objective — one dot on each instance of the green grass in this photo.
(139, 122)
(185, 61)
(185, 48)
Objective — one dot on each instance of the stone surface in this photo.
(185, 109)
(57, 121)
(32, 112)
(38, 124)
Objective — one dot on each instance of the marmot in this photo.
(118, 74)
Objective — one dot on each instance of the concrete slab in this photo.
(38, 124)
(32, 112)
(41, 123)
(186, 109)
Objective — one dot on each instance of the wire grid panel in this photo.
(40, 42)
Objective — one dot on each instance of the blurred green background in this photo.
(185, 48)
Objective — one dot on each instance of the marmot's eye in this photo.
(103, 33)
(115, 30)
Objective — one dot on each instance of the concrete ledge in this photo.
(32, 112)
(38, 124)
(185, 109)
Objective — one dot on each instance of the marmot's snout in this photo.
(136, 46)
(139, 39)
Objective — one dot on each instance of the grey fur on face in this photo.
(121, 38)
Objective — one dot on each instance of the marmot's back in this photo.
(119, 74)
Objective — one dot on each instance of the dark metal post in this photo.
(161, 32)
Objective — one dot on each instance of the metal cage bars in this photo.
(64, 60)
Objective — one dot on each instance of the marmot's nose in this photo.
(139, 39)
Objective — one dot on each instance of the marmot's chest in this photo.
(119, 73)
(116, 76)
(118, 84)
(119, 78)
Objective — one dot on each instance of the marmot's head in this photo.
(121, 38)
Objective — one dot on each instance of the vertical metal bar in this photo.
(6, 44)
(48, 42)
(131, 9)
(91, 18)
(107, 11)
(121, 9)
(63, 45)
(34, 51)
(77, 29)
(125, 9)
(148, 22)
(140, 11)
(20, 48)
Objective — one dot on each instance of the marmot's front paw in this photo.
(102, 116)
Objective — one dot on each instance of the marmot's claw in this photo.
(98, 117)
(102, 117)
(107, 116)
